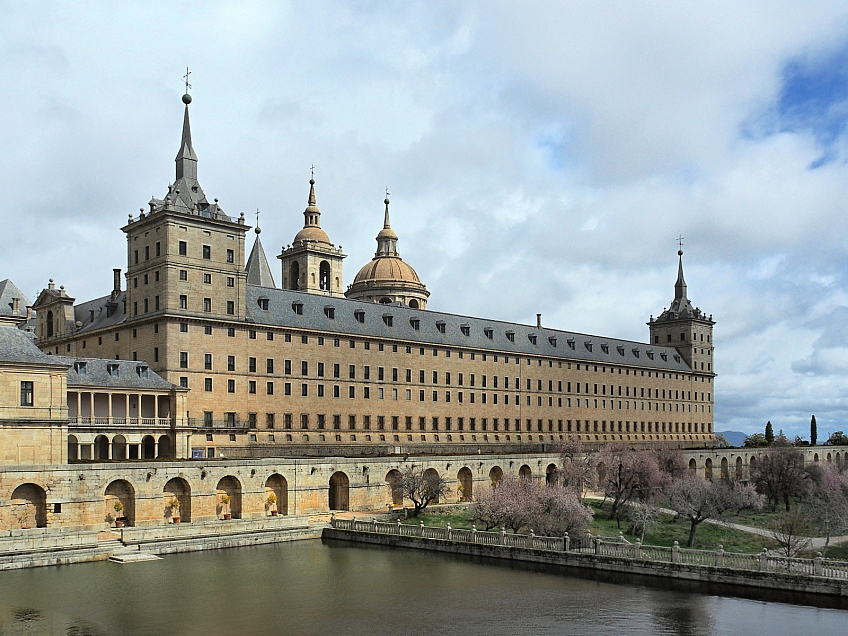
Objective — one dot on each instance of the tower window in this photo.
(207, 252)
(183, 248)
(26, 393)
(230, 256)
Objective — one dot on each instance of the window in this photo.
(231, 307)
(359, 315)
(269, 420)
(304, 368)
(183, 248)
(465, 329)
(207, 361)
(184, 302)
(207, 330)
(147, 252)
(113, 370)
(231, 363)
(320, 369)
(26, 393)
(230, 256)
(231, 386)
(207, 252)
(207, 279)
(269, 365)
(184, 381)
(183, 359)
(263, 304)
(440, 326)
(269, 388)
(207, 384)
(330, 312)
(207, 304)
(231, 332)
(251, 387)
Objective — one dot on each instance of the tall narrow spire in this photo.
(186, 158)
(680, 285)
(387, 239)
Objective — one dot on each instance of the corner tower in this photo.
(685, 328)
(312, 263)
(387, 278)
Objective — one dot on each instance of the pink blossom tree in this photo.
(626, 473)
(828, 502)
(577, 468)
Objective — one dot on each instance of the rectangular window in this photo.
(207, 361)
(207, 279)
(231, 363)
(183, 302)
(231, 386)
(251, 387)
(231, 282)
(288, 367)
(304, 368)
(207, 252)
(207, 304)
(183, 274)
(183, 359)
(269, 365)
(231, 308)
(231, 256)
(183, 248)
(269, 388)
(207, 330)
(26, 393)
(269, 420)
(207, 384)
(320, 369)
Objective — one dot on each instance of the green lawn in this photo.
(664, 533)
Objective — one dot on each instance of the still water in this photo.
(310, 587)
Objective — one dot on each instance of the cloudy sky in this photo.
(542, 157)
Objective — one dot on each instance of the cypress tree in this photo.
(813, 431)
(769, 433)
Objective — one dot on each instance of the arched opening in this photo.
(29, 506)
(49, 324)
(120, 503)
(73, 448)
(495, 476)
(229, 498)
(101, 447)
(829, 458)
(525, 471)
(165, 447)
(752, 465)
(413, 304)
(119, 447)
(148, 447)
(339, 491)
(394, 486)
(294, 277)
(277, 486)
(708, 469)
(551, 475)
(693, 465)
(466, 484)
(725, 471)
(740, 469)
(431, 473)
(324, 276)
(385, 300)
(177, 500)
(815, 457)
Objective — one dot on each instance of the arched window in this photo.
(324, 276)
(49, 324)
(413, 304)
(294, 279)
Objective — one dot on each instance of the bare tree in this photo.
(828, 503)
(420, 486)
(577, 471)
(628, 473)
(670, 461)
(792, 531)
(641, 517)
(779, 475)
(697, 500)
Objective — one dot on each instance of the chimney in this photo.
(116, 285)
(29, 312)
(538, 321)
(16, 306)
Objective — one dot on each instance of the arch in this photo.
(466, 484)
(725, 470)
(838, 459)
(815, 457)
(752, 464)
(551, 475)
(177, 489)
(395, 487)
(73, 448)
(120, 492)
(413, 304)
(229, 488)
(49, 324)
(339, 491)
(165, 447)
(693, 465)
(385, 300)
(324, 276)
(294, 277)
(148, 447)
(708, 468)
(431, 473)
(277, 485)
(829, 458)
(740, 469)
(29, 505)
(495, 475)
(119, 447)
(525, 471)
(101, 447)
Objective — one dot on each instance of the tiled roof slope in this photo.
(16, 346)
(96, 374)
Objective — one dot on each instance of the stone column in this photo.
(91, 406)
(109, 414)
(127, 409)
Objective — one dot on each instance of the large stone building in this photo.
(283, 371)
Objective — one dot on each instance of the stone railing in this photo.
(124, 422)
(617, 547)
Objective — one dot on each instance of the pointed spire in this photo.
(386, 224)
(387, 239)
(186, 158)
(258, 271)
(680, 285)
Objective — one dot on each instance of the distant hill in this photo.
(734, 438)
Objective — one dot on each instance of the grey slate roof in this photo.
(8, 291)
(100, 318)
(257, 269)
(17, 346)
(96, 374)
(551, 343)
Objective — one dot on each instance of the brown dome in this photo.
(388, 269)
(312, 233)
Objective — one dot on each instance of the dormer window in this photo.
(80, 367)
(620, 350)
(510, 335)
(330, 312)
(552, 340)
(416, 323)
(465, 329)
(677, 358)
(440, 325)
(650, 354)
(588, 345)
(635, 352)
(113, 369)
(388, 319)
(263, 304)
(297, 307)
(570, 343)
(605, 348)
(664, 356)
(489, 332)
(142, 371)
(532, 338)
(359, 315)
